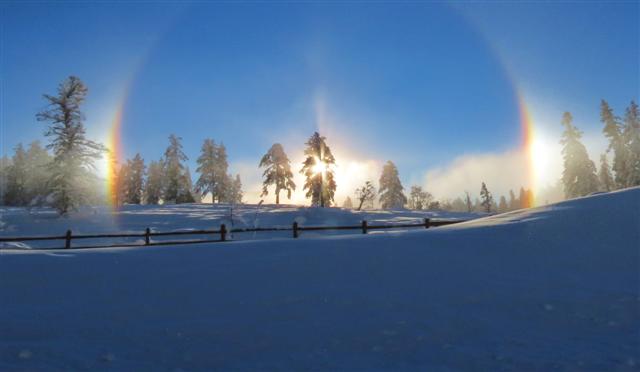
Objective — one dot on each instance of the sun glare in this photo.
(320, 167)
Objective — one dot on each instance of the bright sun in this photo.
(319, 167)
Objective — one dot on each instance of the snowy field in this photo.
(184, 217)
(552, 288)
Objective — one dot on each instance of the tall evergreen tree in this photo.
(73, 153)
(604, 175)
(612, 130)
(631, 137)
(185, 188)
(579, 175)
(154, 186)
(487, 198)
(318, 171)
(134, 181)
(348, 204)
(365, 194)
(502, 206)
(277, 172)
(5, 164)
(467, 202)
(233, 190)
(16, 193)
(391, 189)
(122, 186)
(513, 202)
(207, 168)
(173, 169)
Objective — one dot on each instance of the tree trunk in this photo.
(277, 197)
(360, 206)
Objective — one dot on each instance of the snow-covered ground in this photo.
(136, 218)
(552, 288)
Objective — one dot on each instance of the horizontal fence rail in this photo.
(219, 235)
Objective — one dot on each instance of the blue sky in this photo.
(421, 84)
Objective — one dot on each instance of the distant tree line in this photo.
(62, 174)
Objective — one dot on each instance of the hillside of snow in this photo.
(549, 288)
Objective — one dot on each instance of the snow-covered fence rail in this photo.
(219, 235)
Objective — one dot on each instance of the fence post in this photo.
(67, 242)
(427, 223)
(147, 240)
(364, 226)
(223, 232)
(295, 229)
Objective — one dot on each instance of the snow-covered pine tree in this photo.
(365, 194)
(16, 192)
(277, 172)
(122, 186)
(209, 182)
(5, 163)
(631, 137)
(154, 187)
(233, 193)
(612, 130)
(579, 175)
(604, 175)
(134, 183)
(524, 200)
(318, 171)
(347, 204)
(391, 189)
(173, 170)
(185, 188)
(467, 202)
(487, 198)
(513, 202)
(502, 205)
(73, 153)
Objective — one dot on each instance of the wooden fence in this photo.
(216, 236)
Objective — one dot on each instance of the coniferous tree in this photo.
(467, 202)
(134, 181)
(122, 184)
(233, 190)
(221, 176)
(185, 188)
(348, 204)
(365, 194)
(73, 153)
(524, 203)
(579, 175)
(612, 130)
(16, 193)
(631, 138)
(502, 206)
(173, 170)
(154, 186)
(513, 202)
(318, 171)
(206, 183)
(419, 199)
(604, 175)
(391, 189)
(277, 172)
(5, 163)
(487, 198)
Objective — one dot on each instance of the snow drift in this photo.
(546, 288)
